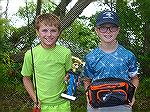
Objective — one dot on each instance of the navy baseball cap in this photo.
(107, 17)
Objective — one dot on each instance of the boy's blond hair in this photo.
(47, 19)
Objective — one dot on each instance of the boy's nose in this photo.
(49, 33)
(108, 30)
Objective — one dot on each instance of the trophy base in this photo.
(68, 96)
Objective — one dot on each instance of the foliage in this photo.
(135, 30)
(4, 28)
(80, 38)
(28, 12)
(143, 96)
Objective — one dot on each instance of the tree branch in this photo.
(6, 16)
(38, 8)
(61, 8)
(75, 12)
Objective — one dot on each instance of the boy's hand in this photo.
(87, 98)
(37, 106)
(66, 77)
(133, 101)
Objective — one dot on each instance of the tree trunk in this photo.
(38, 8)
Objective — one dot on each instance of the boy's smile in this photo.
(108, 36)
(48, 35)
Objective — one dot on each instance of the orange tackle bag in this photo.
(110, 92)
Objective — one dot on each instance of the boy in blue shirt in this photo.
(110, 59)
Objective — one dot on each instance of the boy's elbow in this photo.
(26, 78)
(135, 81)
(135, 78)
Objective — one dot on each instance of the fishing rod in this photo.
(36, 108)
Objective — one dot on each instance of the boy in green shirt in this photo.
(51, 64)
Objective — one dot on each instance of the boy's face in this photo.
(107, 32)
(48, 35)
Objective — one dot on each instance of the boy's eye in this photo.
(53, 30)
(44, 30)
(103, 27)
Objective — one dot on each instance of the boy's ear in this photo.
(118, 30)
(96, 30)
(59, 33)
(37, 32)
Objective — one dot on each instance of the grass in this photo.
(14, 101)
(79, 105)
(14, 98)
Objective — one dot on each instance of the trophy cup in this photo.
(73, 82)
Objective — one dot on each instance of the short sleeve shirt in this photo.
(50, 69)
(121, 63)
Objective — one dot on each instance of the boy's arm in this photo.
(29, 87)
(86, 83)
(135, 82)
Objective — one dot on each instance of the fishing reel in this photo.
(74, 79)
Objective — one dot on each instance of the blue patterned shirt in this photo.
(119, 64)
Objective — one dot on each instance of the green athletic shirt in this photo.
(50, 67)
